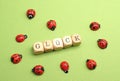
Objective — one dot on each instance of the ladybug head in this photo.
(53, 28)
(30, 16)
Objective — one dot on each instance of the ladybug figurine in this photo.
(30, 13)
(91, 64)
(20, 38)
(102, 43)
(64, 66)
(94, 26)
(51, 24)
(38, 70)
(16, 58)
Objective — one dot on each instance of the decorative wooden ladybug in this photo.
(64, 66)
(30, 13)
(94, 26)
(16, 58)
(102, 43)
(51, 24)
(91, 64)
(38, 70)
(20, 38)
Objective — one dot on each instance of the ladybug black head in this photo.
(33, 69)
(20, 55)
(12, 59)
(53, 28)
(94, 67)
(30, 16)
(66, 71)
(42, 69)
(98, 40)
(87, 60)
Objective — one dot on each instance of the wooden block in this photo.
(67, 41)
(76, 40)
(38, 48)
(57, 44)
(48, 46)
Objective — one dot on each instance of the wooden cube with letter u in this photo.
(57, 44)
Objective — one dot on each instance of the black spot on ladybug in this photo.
(16, 60)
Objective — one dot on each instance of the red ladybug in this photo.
(38, 70)
(51, 24)
(30, 13)
(16, 58)
(102, 43)
(91, 64)
(20, 38)
(64, 66)
(94, 26)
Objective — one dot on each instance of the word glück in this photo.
(56, 44)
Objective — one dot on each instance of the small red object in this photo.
(51, 24)
(102, 43)
(30, 13)
(91, 64)
(20, 38)
(94, 26)
(38, 70)
(16, 58)
(64, 66)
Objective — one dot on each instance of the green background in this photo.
(72, 16)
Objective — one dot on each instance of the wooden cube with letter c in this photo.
(67, 41)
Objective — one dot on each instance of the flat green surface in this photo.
(72, 16)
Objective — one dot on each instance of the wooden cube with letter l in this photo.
(48, 46)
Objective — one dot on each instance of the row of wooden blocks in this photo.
(56, 44)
